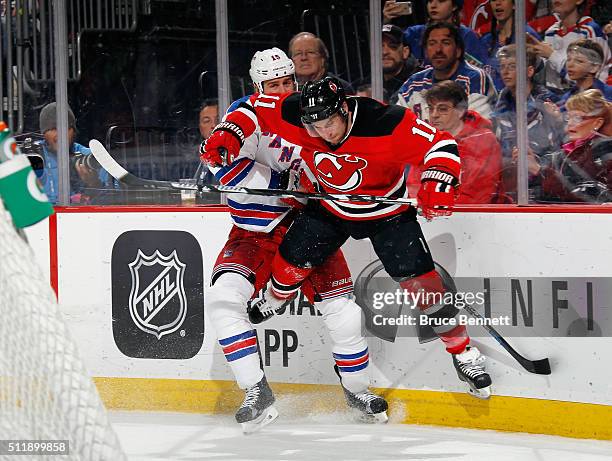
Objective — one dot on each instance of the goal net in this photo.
(45, 390)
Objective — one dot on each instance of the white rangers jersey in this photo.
(476, 83)
(258, 166)
(560, 40)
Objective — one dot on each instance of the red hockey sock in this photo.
(431, 290)
(286, 278)
(455, 340)
(430, 287)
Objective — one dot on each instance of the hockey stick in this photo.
(539, 367)
(121, 174)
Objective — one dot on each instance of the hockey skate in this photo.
(372, 408)
(263, 306)
(470, 369)
(257, 409)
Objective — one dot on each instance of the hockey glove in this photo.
(437, 194)
(223, 145)
(291, 180)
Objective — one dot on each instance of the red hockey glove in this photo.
(437, 194)
(223, 145)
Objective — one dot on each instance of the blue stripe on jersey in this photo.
(241, 353)
(236, 165)
(233, 106)
(355, 368)
(351, 356)
(252, 221)
(233, 339)
(257, 206)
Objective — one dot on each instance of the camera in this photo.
(34, 151)
(84, 160)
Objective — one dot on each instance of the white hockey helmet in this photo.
(269, 64)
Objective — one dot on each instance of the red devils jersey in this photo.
(371, 159)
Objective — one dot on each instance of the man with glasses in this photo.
(310, 55)
(480, 153)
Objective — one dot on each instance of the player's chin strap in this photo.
(121, 174)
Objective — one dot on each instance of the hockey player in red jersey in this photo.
(360, 146)
(244, 265)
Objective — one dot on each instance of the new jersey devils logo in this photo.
(342, 172)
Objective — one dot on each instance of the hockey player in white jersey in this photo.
(244, 266)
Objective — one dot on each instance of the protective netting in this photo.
(45, 390)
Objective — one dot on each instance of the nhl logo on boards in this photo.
(157, 284)
(165, 292)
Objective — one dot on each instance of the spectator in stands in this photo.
(443, 11)
(545, 128)
(570, 27)
(584, 60)
(607, 30)
(87, 183)
(501, 34)
(310, 55)
(445, 49)
(544, 124)
(582, 171)
(209, 117)
(208, 120)
(365, 90)
(480, 153)
(394, 56)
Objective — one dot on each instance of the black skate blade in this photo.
(267, 417)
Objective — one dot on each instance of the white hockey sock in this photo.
(226, 304)
(342, 316)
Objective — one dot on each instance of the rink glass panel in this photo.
(138, 73)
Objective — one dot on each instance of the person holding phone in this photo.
(393, 9)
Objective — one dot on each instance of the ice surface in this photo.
(172, 436)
